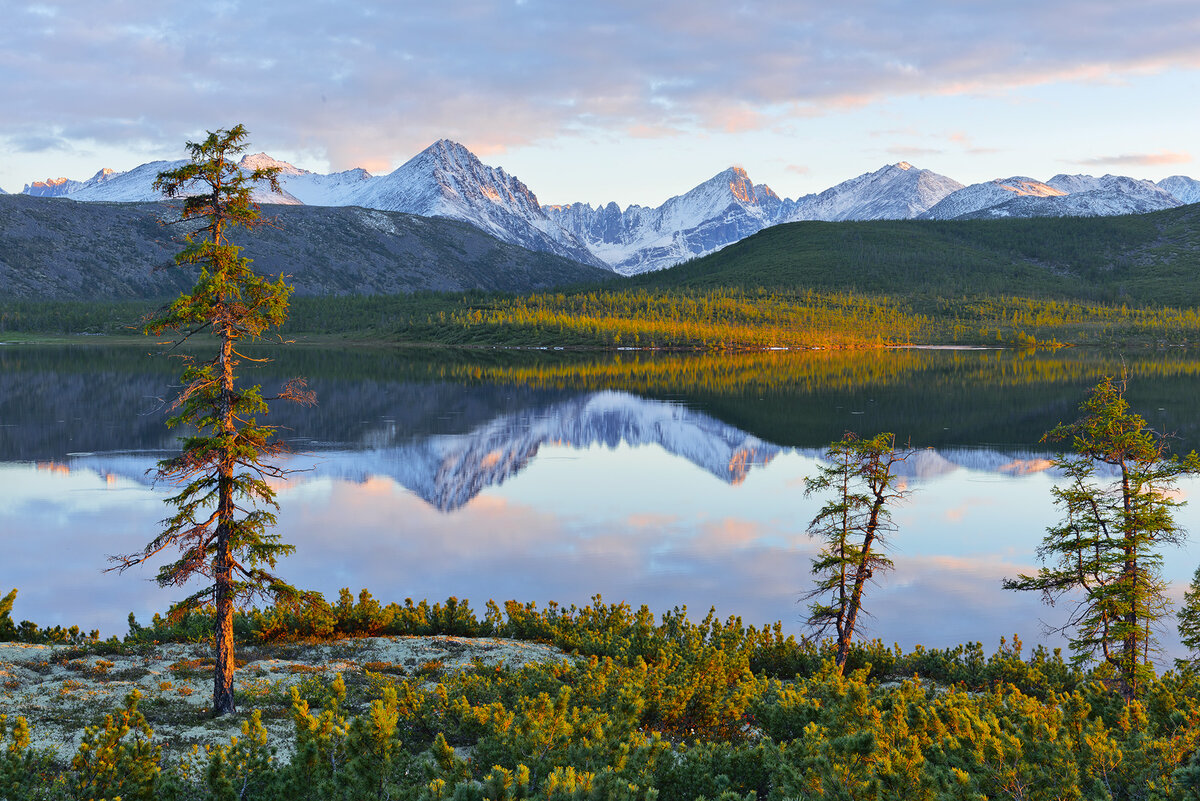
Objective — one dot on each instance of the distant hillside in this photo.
(1145, 259)
(55, 248)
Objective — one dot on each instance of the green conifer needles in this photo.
(1104, 556)
(853, 526)
(222, 510)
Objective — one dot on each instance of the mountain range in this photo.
(60, 249)
(448, 180)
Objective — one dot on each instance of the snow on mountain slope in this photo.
(1136, 194)
(309, 188)
(137, 186)
(896, 192)
(1185, 190)
(987, 194)
(133, 186)
(718, 212)
(1096, 203)
(335, 189)
(447, 180)
(1061, 196)
(256, 161)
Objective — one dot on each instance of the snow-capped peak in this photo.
(976, 197)
(256, 161)
(895, 192)
(722, 210)
(1062, 195)
(1185, 189)
(448, 180)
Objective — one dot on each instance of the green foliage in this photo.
(117, 760)
(740, 317)
(222, 509)
(21, 769)
(321, 745)
(1021, 282)
(67, 317)
(713, 319)
(244, 768)
(672, 710)
(29, 632)
(1142, 259)
(1189, 620)
(853, 527)
(8, 631)
(1107, 547)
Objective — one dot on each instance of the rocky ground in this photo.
(61, 689)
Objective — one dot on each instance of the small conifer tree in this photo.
(854, 526)
(1105, 556)
(222, 512)
(1189, 620)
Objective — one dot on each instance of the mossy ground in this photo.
(62, 689)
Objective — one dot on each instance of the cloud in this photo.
(371, 82)
(1163, 157)
(34, 142)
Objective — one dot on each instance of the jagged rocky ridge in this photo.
(722, 210)
(447, 180)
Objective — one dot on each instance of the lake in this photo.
(655, 479)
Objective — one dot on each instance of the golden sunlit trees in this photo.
(223, 508)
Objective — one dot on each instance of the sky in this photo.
(604, 101)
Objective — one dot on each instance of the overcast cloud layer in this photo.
(371, 83)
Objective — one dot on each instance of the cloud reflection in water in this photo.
(636, 500)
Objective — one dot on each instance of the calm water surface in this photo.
(648, 479)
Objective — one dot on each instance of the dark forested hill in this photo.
(54, 248)
(1144, 259)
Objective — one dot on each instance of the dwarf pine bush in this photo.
(659, 708)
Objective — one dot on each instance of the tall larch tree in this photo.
(1105, 557)
(223, 511)
(853, 525)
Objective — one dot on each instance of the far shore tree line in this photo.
(1103, 559)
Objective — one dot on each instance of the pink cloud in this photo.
(371, 84)
(1160, 158)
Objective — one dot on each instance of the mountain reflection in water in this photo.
(449, 470)
(666, 482)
